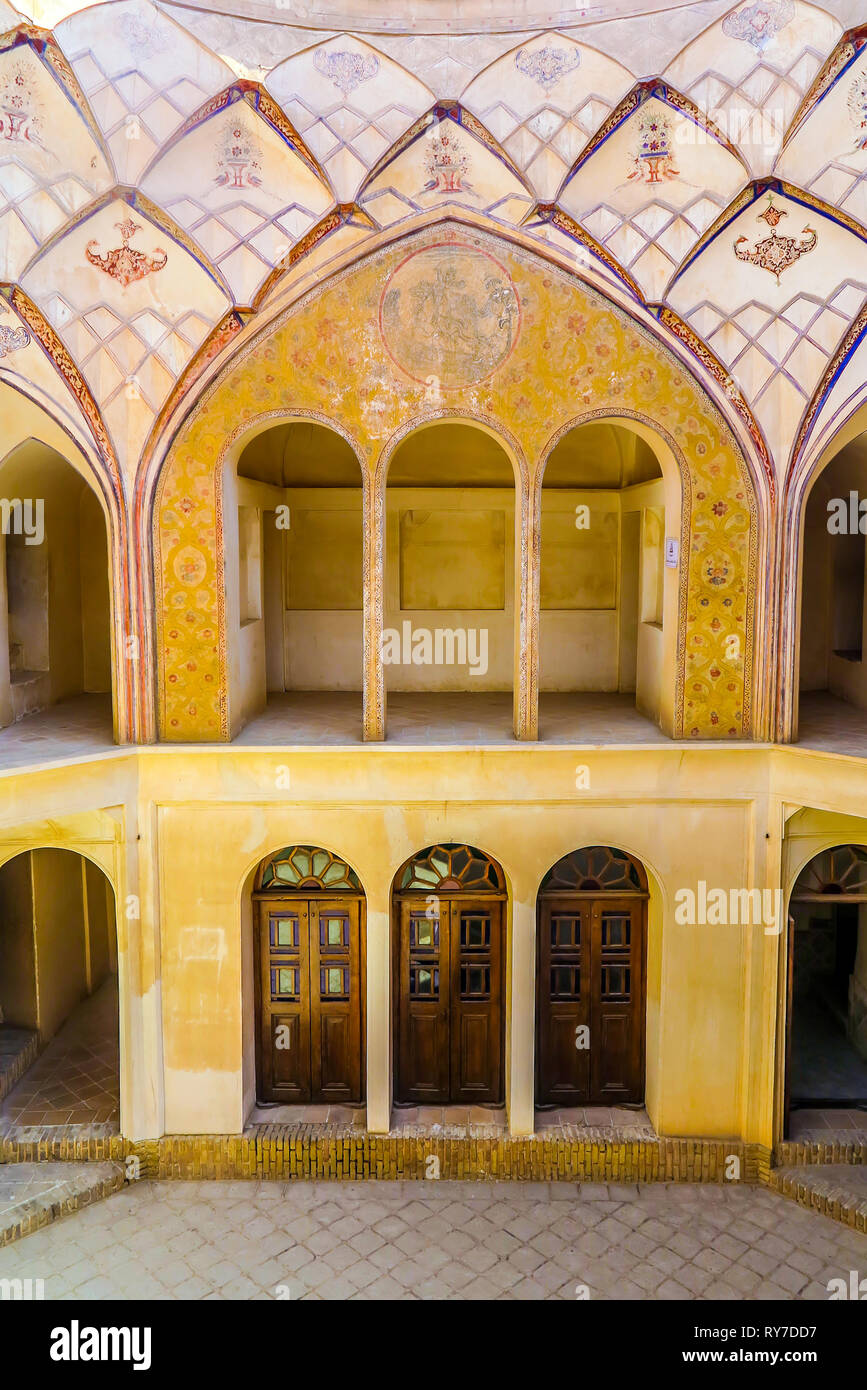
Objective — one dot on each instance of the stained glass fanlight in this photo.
(308, 868)
(598, 869)
(835, 873)
(450, 868)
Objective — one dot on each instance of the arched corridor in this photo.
(55, 607)
(58, 994)
(826, 1049)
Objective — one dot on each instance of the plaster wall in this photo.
(18, 1001)
(715, 993)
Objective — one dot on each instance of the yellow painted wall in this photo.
(61, 954)
(17, 950)
(557, 374)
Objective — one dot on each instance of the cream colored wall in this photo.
(18, 1003)
(100, 927)
(182, 831)
(592, 635)
(469, 552)
(95, 596)
(376, 809)
(61, 955)
(322, 591)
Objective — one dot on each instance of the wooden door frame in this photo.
(301, 895)
(594, 896)
(418, 895)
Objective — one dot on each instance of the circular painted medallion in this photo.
(449, 312)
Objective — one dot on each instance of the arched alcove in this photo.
(832, 670)
(608, 602)
(293, 509)
(451, 584)
(55, 600)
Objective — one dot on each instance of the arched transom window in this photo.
(839, 873)
(450, 868)
(308, 868)
(597, 869)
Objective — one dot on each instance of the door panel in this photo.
(564, 1003)
(424, 991)
(450, 1002)
(335, 985)
(590, 991)
(476, 1023)
(284, 1003)
(310, 979)
(616, 1063)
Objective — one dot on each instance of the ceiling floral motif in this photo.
(255, 155)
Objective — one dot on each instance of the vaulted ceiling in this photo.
(161, 169)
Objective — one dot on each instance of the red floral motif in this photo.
(124, 263)
(719, 508)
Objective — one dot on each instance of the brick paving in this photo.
(438, 1240)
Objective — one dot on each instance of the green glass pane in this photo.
(426, 876)
(334, 874)
(441, 864)
(424, 981)
(285, 932)
(302, 862)
(334, 931)
(286, 981)
(424, 932)
(320, 862)
(285, 872)
(335, 981)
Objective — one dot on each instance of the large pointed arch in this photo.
(564, 312)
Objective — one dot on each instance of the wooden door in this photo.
(335, 999)
(449, 994)
(563, 1032)
(590, 1003)
(476, 1022)
(617, 1001)
(424, 984)
(284, 1002)
(310, 979)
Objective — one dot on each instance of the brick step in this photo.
(832, 1148)
(343, 1153)
(838, 1190)
(34, 1194)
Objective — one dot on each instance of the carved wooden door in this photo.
(309, 999)
(590, 1009)
(450, 994)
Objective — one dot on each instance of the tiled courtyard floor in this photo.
(438, 1240)
(75, 1081)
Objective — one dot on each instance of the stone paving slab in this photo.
(439, 1240)
(34, 1194)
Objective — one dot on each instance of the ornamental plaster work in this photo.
(574, 357)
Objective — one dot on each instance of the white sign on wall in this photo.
(672, 552)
